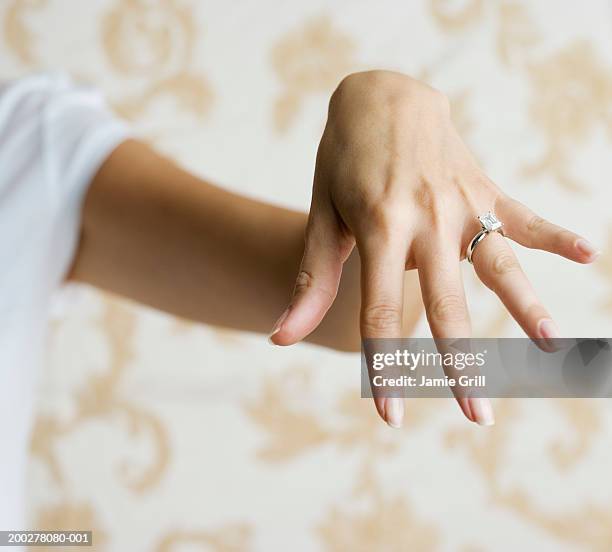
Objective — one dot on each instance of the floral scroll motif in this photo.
(587, 525)
(154, 41)
(101, 399)
(71, 516)
(515, 31)
(17, 34)
(453, 18)
(295, 430)
(229, 538)
(388, 524)
(571, 97)
(309, 61)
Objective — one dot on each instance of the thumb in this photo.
(326, 249)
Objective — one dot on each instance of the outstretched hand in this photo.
(394, 178)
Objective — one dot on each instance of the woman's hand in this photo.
(394, 178)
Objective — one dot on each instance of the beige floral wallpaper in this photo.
(160, 435)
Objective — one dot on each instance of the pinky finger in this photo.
(522, 225)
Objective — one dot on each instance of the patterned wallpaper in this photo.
(161, 435)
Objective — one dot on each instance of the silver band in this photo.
(475, 241)
(489, 223)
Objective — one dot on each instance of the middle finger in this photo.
(446, 307)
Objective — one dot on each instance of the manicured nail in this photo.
(394, 412)
(549, 332)
(587, 248)
(482, 411)
(548, 329)
(278, 326)
(468, 410)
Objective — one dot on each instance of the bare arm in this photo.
(156, 234)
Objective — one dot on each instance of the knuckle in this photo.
(384, 216)
(377, 78)
(434, 200)
(564, 237)
(424, 195)
(449, 307)
(306, 282)
(536, 224)
(377, 218)
(504, 263)
(381, 317)
(393, 88)
(439, 213)
(303, 281)
(366, 83)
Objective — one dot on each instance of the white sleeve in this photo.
(54, 136)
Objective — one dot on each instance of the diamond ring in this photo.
(489, 223)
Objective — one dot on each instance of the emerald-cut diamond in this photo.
(490, 222)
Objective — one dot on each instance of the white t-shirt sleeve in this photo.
(54, 136)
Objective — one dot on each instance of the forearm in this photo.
(160, 236)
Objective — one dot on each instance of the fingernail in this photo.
(548, 329)
(394, 412)
(277, 327)
(482, 411)
(549, 332)
(587, 248)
